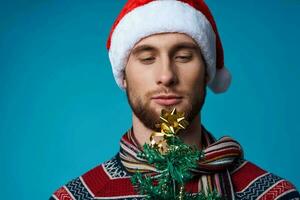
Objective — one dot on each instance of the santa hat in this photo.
(141, 18)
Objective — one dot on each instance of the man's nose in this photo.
(166, 73)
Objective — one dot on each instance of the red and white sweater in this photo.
(111, 181)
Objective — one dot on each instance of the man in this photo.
(164, 54)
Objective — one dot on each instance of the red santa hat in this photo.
(141, 18)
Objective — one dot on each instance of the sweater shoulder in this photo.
(252, 182)
(106, 180)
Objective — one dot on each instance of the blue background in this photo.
(61, 112)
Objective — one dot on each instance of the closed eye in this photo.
(183, 58)
(147, 60)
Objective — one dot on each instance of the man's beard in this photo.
(148, 115)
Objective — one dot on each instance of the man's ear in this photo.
(206, 77)
(124, 82)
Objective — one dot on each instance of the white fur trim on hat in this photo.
(161, 17)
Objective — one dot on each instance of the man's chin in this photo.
(179, 107)
(159, 108)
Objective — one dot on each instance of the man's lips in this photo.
(167, 100)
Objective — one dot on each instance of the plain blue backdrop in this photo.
(61, 112)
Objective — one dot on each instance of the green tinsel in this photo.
(174, 171)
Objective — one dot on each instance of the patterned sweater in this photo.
(110, 180)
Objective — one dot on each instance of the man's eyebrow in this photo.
(140, 48)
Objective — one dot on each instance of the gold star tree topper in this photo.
(171, 123)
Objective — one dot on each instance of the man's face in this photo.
(165, 71)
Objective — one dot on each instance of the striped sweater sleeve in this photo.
(252, 182)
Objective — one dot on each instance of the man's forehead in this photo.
(165, 41)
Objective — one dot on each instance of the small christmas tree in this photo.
(173, 160)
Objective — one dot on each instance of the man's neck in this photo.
(191, 136)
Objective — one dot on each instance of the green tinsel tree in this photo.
(173, 165)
